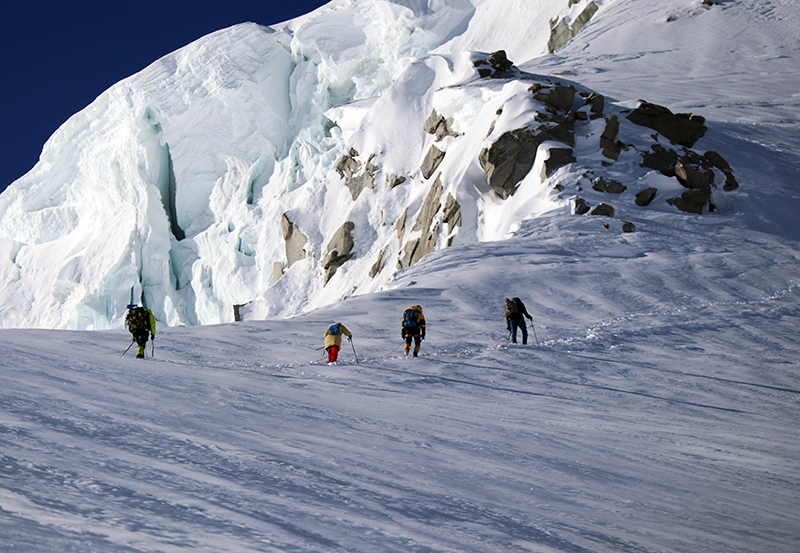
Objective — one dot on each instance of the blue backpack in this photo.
(410, 318)
(334, 329)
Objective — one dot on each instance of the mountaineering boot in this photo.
(415, 354)
(140, 353)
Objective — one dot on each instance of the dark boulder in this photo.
(646, 196)
(681, 128)
(603, 209)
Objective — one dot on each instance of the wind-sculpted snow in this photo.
(659, 413)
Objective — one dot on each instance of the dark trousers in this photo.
(513, 325)
(417, 341)
(141, 340)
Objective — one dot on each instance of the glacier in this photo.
(193, 162)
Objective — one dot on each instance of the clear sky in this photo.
(57, 57)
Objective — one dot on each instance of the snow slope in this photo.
(659, 414)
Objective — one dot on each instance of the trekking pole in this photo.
(534, 335)
(126, 351)
(354, 350)
(152, 348)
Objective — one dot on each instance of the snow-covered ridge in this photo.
(283, 168)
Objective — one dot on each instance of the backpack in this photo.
(513, 307)
(334, 329)
(410, 318)
(137, 320)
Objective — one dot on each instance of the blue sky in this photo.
(57, 57)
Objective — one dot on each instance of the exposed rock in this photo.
(277, 271)
(646, 196)
(603, 209)
(429, 207)
(356, 179)
(579, 206)
(610, 186)
(497, 65)
(508, 160)
(661, 159)
(348, 165)
(691, 177)
(295, 240)
(431, 162)
(378, 266)
(451, 213)
(558, 97)
(627, 226)
(395, 180)
(558, 157)
(608, 143)
(426, 243)
(561, 33)
(339, 249)
(715, 160)
(692, 201)
(598, 103)
(437, 125)
(400, 225)
(681, 128)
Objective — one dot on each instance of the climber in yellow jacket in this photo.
(333, 340)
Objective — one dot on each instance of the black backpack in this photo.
(514, 308)
(137, 320)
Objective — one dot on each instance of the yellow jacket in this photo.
(335, 339)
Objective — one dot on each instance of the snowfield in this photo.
(655, 408)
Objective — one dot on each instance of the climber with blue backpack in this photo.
(413, 328)
(333, 340)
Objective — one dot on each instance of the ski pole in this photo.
(126, 351)
(354, 350)
(534, 335)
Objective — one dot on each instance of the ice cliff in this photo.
(266, 171)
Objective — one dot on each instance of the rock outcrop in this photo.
(438, 126)
(340, 250)
(496, 65)
(418, 248)
(603, 209)
(561, 33)
(681, 128)
(357, 177)
(431, 162)
(295, 241)
(646, 196)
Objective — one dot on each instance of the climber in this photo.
(413, 328)
(333, 340)
(515, 318)
(141, 323)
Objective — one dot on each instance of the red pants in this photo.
(333, 353)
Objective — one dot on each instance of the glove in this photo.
(152, 337)
(422, 337)
(349, 338)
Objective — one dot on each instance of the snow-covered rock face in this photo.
(375, 124)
